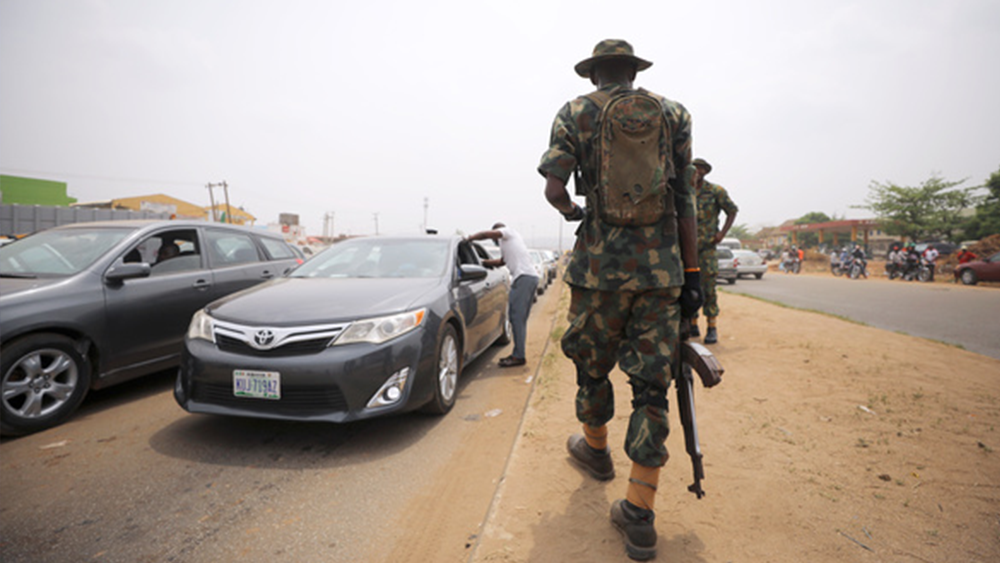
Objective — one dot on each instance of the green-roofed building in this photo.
(31, 191)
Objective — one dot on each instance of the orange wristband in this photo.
(686, 270)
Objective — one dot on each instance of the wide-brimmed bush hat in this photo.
(607, 50)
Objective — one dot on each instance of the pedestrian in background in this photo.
(964, 256)
(633, 271)
(514, 254)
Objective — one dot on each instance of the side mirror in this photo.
(471, 272)
(128, 271)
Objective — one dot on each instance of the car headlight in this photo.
(381, 329)
(201, 327)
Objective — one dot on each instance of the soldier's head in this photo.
(612, 61)
(701, 169)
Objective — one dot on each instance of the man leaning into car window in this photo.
(514, 254)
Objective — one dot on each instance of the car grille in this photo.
(266, 342)
(236, 346)
(300, 400)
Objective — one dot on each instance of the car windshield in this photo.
(378, 258)
(58, 253)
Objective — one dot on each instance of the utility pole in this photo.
(211, 197)
(328, 225)
(376, 222)
(425, 214)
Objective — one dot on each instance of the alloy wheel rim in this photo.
(39, 383)
(448, 368)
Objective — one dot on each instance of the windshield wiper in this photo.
(21, 276)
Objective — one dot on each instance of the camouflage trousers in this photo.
(709, 265)
(639, 331)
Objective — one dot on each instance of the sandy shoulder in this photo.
(826, 441)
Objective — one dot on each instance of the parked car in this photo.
(545, 269)
(728, 264)
(88, 305)
(370, 326)
(976, 271)
(749, 263)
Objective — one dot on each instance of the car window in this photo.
(277, 249)
(378, 258)
(167, 252)
(230, 248)
(58, 252)
(723, 252)
(467, 254)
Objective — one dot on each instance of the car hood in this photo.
(299, 301)
(13, 286)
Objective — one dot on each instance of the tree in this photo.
(741, 232)
(932, 210)
(810, 240)
(987, 219)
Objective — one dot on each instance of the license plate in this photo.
(257, 384)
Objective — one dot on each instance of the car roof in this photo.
(149, 224)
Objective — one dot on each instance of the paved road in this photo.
(957, 314)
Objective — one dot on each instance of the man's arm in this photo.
(730, 219)
(557, 195)
(491, 234)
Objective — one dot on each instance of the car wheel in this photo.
(506, 332)
(45, 378)
(758, 276)
(969, 277)
(447, 369)
(732, 280)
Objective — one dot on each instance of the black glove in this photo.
(577, 214)
(691, 297)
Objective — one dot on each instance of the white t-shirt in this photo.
(515, 254)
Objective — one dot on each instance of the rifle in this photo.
(697, 358)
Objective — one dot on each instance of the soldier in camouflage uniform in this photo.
(629, 286)
(712, 199)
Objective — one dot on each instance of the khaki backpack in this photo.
(632, 153)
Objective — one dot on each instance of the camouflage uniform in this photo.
(712, 198)
(625, 284)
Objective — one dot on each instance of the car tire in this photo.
(758, 276)
(447, 370)
(968, 277)
(732, 281)
(506, 332)
(44, 380)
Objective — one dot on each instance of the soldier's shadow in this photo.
(583, 531)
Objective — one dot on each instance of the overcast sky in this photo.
(365, 108)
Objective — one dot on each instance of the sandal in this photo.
(511, 361)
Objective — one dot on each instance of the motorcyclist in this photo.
(858, 256)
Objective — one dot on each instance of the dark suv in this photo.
(89, 305)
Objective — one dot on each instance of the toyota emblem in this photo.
(263, 338)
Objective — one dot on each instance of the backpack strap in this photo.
(599, 97)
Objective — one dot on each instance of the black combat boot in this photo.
(596, 462)
(636, 527)
(711, 335)
(694, 333)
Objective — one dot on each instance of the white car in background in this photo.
(749, 264)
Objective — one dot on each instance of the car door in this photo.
(237, 261)
(147, 317)
(473, 301)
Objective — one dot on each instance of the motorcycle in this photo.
(792, 265)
